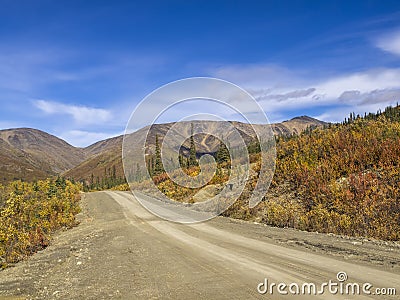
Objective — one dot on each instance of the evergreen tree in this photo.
(138, 175)
(181, 161)
(91, 181)
(192, 151)
(222, 153)
(158, 166)
(255, 147)
(149, 164)
(114, 172)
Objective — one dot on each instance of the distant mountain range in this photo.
(31, 154)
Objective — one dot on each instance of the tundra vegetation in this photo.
(342, 179)
(31, 212)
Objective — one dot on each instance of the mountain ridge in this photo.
(32, 154)
(100, 164)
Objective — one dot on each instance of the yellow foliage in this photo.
(346, 178)
(30, 212)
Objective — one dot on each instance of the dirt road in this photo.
(121, 251)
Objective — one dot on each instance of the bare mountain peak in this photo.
(306, 119)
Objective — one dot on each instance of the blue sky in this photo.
(77, 69)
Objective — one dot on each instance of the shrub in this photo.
(31, 212)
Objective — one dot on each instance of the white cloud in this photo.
(390, 42)
(286, 96)
(338, 113)
(83, 115)
(81, 138)
(281, 92)
(373, 97)
(363, 82)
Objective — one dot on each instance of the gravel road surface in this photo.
(121, 251)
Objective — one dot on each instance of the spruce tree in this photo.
(192, 151)
(91, 183)
(138, 175)
(222, 153)
(150, 165)
(181, 161)
(158, 166)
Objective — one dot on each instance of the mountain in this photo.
(296, 125)
(104, 156)
(30, 154)
(104, 146)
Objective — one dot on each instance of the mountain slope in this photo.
(105, 155)
(342, 180)
(296, 125)
(104, 146)
(99, 166)
(31, 154)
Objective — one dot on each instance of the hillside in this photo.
(31, 154)
(296, 125)
(343, 179)
(99, 167)
(340, 179)
(105, 155)
(104, 146)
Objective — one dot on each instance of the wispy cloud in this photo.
(82, 138)
(376, 79)
(373, 97)
(282, 91)
(30, 68)
(289, 95)
(81, 114)
(390, 42)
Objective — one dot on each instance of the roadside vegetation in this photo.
(31, 212)
(109, 180)
(342, 179)
(190, 166)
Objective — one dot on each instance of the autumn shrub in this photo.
(345, 177)
(341, 179)
(121, 187)
(283, 213)
(31, 212)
